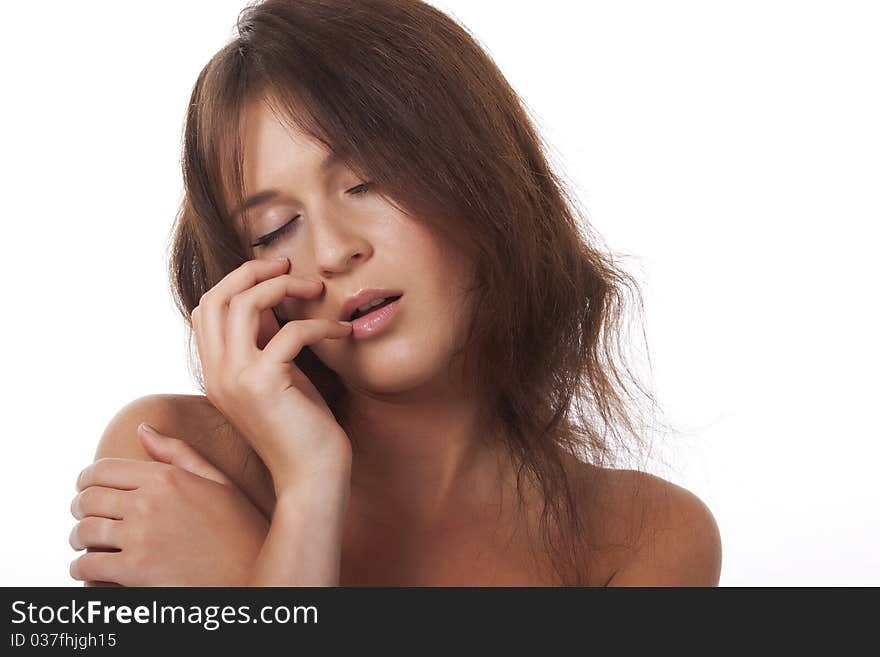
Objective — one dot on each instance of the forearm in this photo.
(304, 543)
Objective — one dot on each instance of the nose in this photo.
(338, 245)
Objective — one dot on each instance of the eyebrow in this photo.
(267, 195)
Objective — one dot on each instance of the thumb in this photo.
(177, 452)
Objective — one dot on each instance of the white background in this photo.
(733, 149)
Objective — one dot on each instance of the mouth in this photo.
(376, 319)
(366, 301)
(372, 307)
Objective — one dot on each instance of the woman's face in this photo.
(354, 242)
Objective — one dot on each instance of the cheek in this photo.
(456, 267)
(452, 276)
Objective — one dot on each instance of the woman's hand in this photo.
(260, 389)
(178, 522)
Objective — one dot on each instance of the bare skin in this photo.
(649, 531)
(407, 493)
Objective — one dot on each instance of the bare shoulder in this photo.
(677, 541)
(194, 419)
(653, 532)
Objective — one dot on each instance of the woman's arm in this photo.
(251, 377)
(119, 439)
(303, 547)
(176, 518)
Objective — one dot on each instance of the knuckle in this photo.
(76, 504)
(98, 530)
(101, 467)
(238, 303)
(81, 477)
(89, 529)
(87, 567)
(86, 497)
(293, 329)
(293, 333)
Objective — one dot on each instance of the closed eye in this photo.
(268, 238)
(362, 188)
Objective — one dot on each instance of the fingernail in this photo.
(280, 258)
(147, 428)
(344, 323)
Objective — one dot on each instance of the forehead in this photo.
(273, 149)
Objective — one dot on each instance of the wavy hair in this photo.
(404, 93)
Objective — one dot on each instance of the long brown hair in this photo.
(405, 95)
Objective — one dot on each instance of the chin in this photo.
(393, 369)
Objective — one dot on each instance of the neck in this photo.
(421, 458)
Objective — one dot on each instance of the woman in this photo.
(406, 339)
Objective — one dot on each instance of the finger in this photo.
(293, 336)
(211, 336)
(243, 320)
(98, 566)
(95, 532)
(99, 501)
(178, 452)
(124, 474)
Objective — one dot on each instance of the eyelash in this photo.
(268, 238)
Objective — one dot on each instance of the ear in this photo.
(177, 452)
(269, 326)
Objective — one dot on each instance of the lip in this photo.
(374, 322)
(365, 296)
